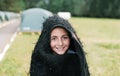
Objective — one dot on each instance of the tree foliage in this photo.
(104, 8)
(12, 5)
(89, 8)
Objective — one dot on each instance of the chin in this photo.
(60, 53)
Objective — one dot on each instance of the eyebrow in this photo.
(53, 36)
(62, 35)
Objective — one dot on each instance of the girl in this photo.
(58, 51)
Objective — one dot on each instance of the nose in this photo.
(60, 42)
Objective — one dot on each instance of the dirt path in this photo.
(7, 32)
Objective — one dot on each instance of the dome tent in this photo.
(32, 19)
(2, 16)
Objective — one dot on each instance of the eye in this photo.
(65, 37)
(53, 38)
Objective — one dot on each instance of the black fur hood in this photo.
(45, 63)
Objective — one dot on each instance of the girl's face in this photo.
(60, 40)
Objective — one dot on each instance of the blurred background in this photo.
(86, 8)
(97, 23)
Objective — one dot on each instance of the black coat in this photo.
(46, 63)
(67, 67)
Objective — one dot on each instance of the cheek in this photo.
(67, 43)
(52, 44)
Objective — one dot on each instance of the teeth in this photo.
(59, 48)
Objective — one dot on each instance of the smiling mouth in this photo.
(60, 48)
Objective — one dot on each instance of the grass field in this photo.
(101, 40)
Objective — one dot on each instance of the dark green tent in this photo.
(32, 19)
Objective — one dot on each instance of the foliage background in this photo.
(85, 8)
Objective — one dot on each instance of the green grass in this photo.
(17, 59)
(101, 40)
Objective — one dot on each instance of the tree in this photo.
(31, 3)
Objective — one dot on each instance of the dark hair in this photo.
(43, 56)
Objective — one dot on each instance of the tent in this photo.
(2, 16)
(32, 19)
